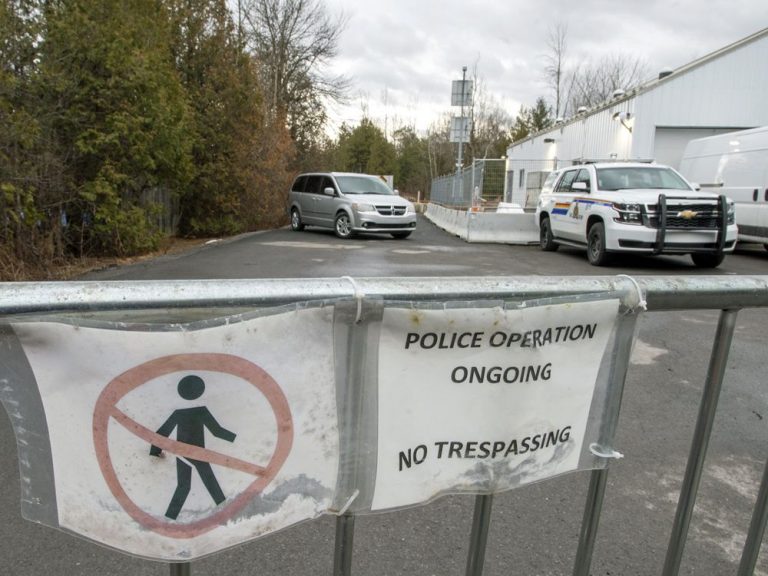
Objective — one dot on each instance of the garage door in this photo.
(670, 143)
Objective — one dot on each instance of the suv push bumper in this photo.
(641, 239)
(668, 240)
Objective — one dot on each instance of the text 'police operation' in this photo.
(500, 339)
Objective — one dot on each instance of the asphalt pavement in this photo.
(535, 528)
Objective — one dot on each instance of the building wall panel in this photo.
(725, 92)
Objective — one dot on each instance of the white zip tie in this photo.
(359, 295)
(597, 450)
(346, 506)
(640, 299)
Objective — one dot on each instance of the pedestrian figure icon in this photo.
(190, 425)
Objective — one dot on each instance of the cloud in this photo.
(413, 49)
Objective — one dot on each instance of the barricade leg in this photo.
(342, 557)
(756, 530)
(622, 350)
(707, 409)
(481, 523)
(595, 494)
(181, 569)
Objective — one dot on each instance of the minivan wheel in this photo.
(296, 223)
(596, 251)
(343, 225)
(707, 259)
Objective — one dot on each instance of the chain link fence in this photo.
(481, 184)
(525, 179)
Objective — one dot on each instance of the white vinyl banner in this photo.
(172, 445)
(484, 399)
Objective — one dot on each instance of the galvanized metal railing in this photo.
(726, 293)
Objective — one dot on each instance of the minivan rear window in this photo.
(299, 184)
(313, 184)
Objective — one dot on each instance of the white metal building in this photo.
(721, 92)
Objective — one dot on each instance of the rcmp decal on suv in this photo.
(561, 208)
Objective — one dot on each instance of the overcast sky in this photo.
(402, 55)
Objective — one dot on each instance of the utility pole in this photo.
(460, 160)
(461, 95)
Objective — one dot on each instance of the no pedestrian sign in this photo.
(173, 445)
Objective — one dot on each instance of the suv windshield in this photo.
(363, 185)
(639, 178)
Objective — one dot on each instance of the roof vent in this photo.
(618, 93)
(581, 110)
(665, 72)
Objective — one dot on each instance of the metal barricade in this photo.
(726, 293)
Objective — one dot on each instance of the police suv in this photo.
(633, 207)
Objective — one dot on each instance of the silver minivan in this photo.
(350, 203)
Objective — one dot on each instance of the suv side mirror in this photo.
(580, 186)
(397, 192)
(329, 191)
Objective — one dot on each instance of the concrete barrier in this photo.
(489, 227)
(452, 221)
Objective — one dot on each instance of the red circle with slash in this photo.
(106, 409)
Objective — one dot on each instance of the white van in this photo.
(734, 164)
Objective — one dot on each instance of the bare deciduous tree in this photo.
(585, 84)
(489, 122)
(593, 84)
(555, 71)
(293, 41)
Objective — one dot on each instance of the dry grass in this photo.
(13, 270)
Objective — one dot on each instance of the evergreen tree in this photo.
(364, 149)
(118, 117)
(242, 158)
(20, 138)
(532, 120)
(412, 172)
(540, 116)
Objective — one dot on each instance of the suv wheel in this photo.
(343, 225)
(296, 223)
(708, 259)
(546, 240)
(596, 252)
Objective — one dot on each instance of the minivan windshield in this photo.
(363, 185)
(639, 178)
